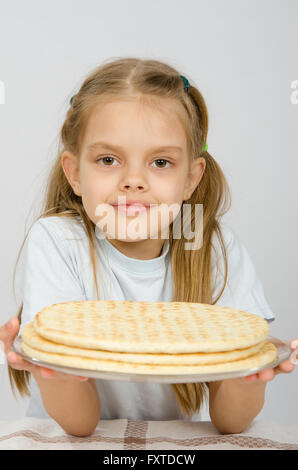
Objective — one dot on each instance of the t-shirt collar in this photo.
(132, 264)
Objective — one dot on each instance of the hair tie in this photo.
(186, 88)
(186, 83)
(71, 99)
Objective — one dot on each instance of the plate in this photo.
(283, 349)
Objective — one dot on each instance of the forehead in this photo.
(132, 119)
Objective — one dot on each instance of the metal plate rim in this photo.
(284, 352)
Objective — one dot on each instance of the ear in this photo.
(194, 177)
(70, 165)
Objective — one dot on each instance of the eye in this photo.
(162, 160)
(106, 158)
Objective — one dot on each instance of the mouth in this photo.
(131, 209)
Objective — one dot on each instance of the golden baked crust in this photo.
(34, 340)
(150, 327)
(266, 355)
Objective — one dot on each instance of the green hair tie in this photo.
(186, 83)
(186, 88)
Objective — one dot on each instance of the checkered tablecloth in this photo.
(33, 433)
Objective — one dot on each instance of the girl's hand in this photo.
(8, 332)
(284, 367)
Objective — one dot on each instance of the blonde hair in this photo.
(191, 269)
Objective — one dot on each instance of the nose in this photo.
(133, 186)
(133, 180)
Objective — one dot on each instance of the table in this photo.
(125, 434)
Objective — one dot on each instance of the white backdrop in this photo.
(242, 55)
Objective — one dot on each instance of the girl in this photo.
(136, 129)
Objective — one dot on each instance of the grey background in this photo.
(242, 55)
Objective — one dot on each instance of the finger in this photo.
(71, 376)
(62, 375)
(250, 378)
(285, 367)
(51, 373)
(266, 375)
(294, 344)
(18, 363)
(8, 333)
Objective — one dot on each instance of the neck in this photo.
(143, 249)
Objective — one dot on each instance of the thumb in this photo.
(8, 332)
(13, 326)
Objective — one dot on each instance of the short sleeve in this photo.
(48, 273)
(244, 289)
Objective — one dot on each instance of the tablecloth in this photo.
(33, 433)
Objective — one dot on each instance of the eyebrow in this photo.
(118, 148)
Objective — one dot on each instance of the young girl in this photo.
(136, 129)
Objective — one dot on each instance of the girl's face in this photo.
(135, 152)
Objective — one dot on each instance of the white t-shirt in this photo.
(55, 266)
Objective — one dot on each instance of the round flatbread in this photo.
(34, 340)
(150, 327)
(266, 355)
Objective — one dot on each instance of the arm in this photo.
(74, 405)
(49, 276)
(234, 403)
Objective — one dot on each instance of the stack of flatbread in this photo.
(148, 337)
